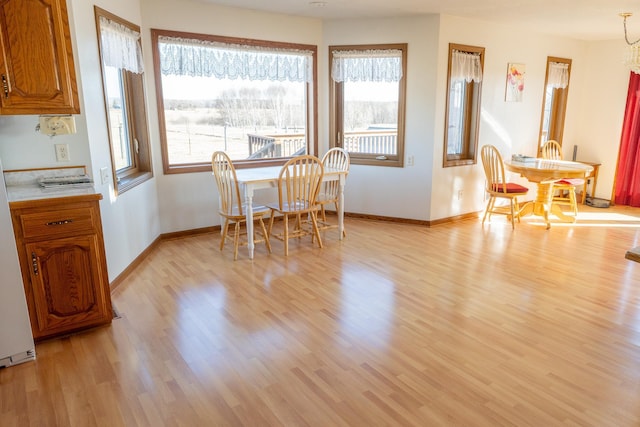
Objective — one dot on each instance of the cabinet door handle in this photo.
(5, 86)
(61, 222)
(34, 263)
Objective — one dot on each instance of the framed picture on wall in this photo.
(514, 90)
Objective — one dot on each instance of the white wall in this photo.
(597, 131)
(131, 220)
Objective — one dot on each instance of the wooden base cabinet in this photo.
(61, 250)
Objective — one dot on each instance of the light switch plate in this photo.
(104, 175)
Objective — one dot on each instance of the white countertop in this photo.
(23, 185)
(16, 193)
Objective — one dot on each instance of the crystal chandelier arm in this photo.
(626, 37)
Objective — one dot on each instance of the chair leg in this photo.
(265, 234)
(286, 234)
(513, 220)
(273, 214)
(486, 211)
(572, 200)
(225, 230)
(236, 240)
(298, 225)
(316, 231)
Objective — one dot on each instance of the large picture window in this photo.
(124, 96)
(462, 119)
(253, 99)
(367, 99)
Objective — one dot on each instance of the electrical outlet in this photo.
(62, 152)
(104, 175)
(459, 194)
(410, 160)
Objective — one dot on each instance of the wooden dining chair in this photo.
(497, 186)
(564, 190)
(231, 207)
(337, 159)
(298, 185)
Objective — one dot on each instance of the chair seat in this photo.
(296, 207)
(235, 212)
(512, 187)
(570, 181)
(325, 197)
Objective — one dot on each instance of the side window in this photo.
(254, 99)
(554, 101)
(367, 98)
(462, 116)
(124, 96)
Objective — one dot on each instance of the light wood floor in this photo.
(398, 325)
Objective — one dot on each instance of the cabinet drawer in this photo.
(56, 223)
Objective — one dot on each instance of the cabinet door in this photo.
(36, 64)
(67, 285)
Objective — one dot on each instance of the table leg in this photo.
(555, 209)
(248, 195)
(544, 204)
(539, 206)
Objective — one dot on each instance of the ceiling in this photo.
(579, 19)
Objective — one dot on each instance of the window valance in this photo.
(465, 66)
(558, 77)
(202, 58)
(374, 65)
(120, 46)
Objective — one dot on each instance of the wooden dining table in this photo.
(544, 173)
(252, 179)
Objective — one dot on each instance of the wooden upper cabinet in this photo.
(36, 65)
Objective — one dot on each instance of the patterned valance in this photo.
(120, 46)
(374, 65)
(201, 58)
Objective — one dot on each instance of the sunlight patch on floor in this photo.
(590, 219)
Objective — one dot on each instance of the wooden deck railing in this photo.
(270, 146)
(370, 142)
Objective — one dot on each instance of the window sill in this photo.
(459, 162)
(133, 180)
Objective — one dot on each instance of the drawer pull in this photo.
(34, 263)
(62, 222)
(5, 86)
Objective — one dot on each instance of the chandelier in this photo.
(632, 58)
